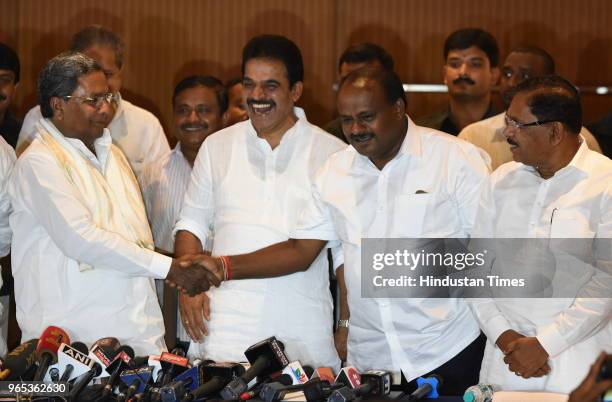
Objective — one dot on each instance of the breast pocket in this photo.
(571, 223)
(409, 214)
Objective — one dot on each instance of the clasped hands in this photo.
(195, 274)
(524, 355)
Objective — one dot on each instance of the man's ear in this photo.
(225, 117)
(399, 108)
(296, 91)
(557, 133)
(444, 75)
(57, 105)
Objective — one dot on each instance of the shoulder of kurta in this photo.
(140, 118)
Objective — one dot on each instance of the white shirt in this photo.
(252, 194)
(488, 134)
(163, 184)
(575, 203)
(7, 160)
(53, 232)
(136, 131)
(430, 189)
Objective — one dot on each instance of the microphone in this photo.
(172, 364)
(46, 350)
(325, 374)
(136, 380)
(373, 382)
(122, 360)
(317, 390)
(185, 382)
(349, 376)
(298, 373)
(54, 374)
(73, 360)
(20, 361)
(284, 379)
(83, 380)
(218, 375)
(265, 357)
(427, 388)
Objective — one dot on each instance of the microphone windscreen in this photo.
(110, 343)
(128, 350)
(80, 346)
(308, 370)
(284, 379)
(21, 358)
(50, 341)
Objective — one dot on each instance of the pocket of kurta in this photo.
(409, 214)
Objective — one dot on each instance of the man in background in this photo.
(199, 105)
(9, 81)
(354, 57)
(236, 110)
(134, 130)
(521, 64)
(470, 72)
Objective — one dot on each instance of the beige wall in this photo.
(167, 40)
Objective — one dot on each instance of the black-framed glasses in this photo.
(95, 101)
(510, 122)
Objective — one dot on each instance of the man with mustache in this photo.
(199, 109)
(395, 180)
(470, 72)
(521, 64)
(9, 81)
(558, 190)
(82, 248)
(248, 184)
(136, 131)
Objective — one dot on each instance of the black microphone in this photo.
(284, 379)
(84, 379)
(217, 376)
(265, 357)
(428, 387)
(318, 390)
(373, 382)
(19, 361)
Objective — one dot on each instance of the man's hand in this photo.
(506, 338)
(340, 338)
(590, 390)
(212, 264)
(194, 310)
(189, 277)
(525, 357)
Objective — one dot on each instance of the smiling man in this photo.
(470, 71)
(395, 180)
(82, 250)
(556, 188)
(248, 185)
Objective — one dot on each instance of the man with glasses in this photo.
(82, 249)
(522, 63)
(556, 188)
(134, 130)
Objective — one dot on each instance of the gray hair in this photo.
(60, 78)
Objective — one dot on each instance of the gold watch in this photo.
(343, 324)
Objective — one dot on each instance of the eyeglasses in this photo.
(510, 122)
(95, 101)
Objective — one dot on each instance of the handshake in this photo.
(195, 274)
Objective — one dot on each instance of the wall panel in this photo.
(167, 40)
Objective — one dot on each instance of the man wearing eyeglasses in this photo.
(82, 249)
(521, 64)
(559, 190)
(136, 131)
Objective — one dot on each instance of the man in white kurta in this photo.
(555, 189)
(249, 183)
(82, 251)
(136, 131)
(7, 160)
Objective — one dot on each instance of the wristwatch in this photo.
(343, 323)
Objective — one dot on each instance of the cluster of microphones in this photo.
(109, 371)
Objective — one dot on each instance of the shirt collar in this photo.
(120, 107)
(297, 127)
(102, 144)
(578, 163)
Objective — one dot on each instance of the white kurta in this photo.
(430, 189)
(69, 271)
(575, 203)
(7, 160)
(252, 194)
(136, 132)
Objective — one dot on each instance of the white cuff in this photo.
(496, 326)
(551, 340)
(192, 227)
(160, 265)
(313, 234)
